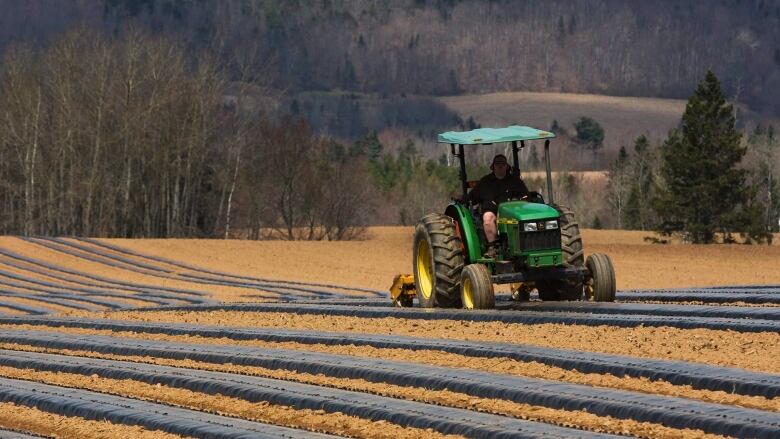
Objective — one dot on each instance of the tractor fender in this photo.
(467, 231)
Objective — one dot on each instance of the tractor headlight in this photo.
(550, 225)
(529, 227)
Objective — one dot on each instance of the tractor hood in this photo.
(525, 211)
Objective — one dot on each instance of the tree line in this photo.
(707, 182)
(132, 136)
(427, 47)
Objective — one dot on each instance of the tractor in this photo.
(539, 245)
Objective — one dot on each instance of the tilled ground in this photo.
(297, 372)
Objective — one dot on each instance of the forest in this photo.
(162, 118)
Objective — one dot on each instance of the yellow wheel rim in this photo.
(468, 294)
(424, 269)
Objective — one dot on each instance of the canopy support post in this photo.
(463, 178)
(514, 157)
(550, 197)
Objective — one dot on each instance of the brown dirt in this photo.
(312, 420)
(10, 311)
(579, 419)
(53, 308)
(386, 251)
(34, 421)
(756, 351)
(38, 252)
(373, 262)
(438, 358)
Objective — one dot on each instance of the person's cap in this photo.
(499, 160)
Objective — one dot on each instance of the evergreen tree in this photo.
(590, 133)
(368, 145)
(704, 189)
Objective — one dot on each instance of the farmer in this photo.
(492, 190)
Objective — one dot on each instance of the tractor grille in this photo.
(541, 240)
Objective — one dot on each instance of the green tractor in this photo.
(539, 244)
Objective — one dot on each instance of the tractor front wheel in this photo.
(476, 288)
(601, 286)
(437, 262)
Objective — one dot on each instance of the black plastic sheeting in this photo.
(227, 275)
(159, 298)
(696, 375)
(707, 296)
(505, 302)
(48, 269)
(91, 254)
(207, 276)
(445, 420)
(505, 316)
(726, 312)
(23, 308)
(87, 292)
(69, 301)
(719, 289)
(60, 292)
(8, 434)
(98, 406)
(669, 411)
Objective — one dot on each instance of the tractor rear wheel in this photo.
(437, 262)
(571, 251)
(601, 285)
(476, 288)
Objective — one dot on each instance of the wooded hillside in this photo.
(448, 47)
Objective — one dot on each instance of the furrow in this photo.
(69, 301)
(700, 296)
(97, 406)
(696, 375)
(445, 420)
(668, 411)
(56, 289)
(222, 274)
(81, 251)
(665, 309)
(722, 289)
(527, 317)
(49, 268)
(727, 312)
(23, 308)
(51, 273)
(84, 297)
(768, 288)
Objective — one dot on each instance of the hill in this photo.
(623, 118)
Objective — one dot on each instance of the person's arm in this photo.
(520, 187)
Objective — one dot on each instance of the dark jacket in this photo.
(491, 191)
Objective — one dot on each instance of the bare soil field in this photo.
(623, 118)
(76, 327)
(386, 251)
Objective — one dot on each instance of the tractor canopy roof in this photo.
(494, 135)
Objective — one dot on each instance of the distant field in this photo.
(623, 118)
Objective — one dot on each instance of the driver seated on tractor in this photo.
(492, 190)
